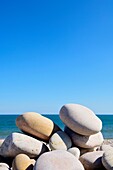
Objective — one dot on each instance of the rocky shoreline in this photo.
(108, 142)
(42, 145)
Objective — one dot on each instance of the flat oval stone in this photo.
(80, 119)
(75, 151)
(58, 160)
(4, 166)
(107, 159)
(36, 125)
(85, 141)
(17, 143)
(92, 160)
(60, 140)
(22, 162)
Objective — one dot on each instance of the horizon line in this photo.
(50, 113)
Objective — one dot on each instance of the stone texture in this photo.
(75, 151)
(58, 160)
(17, 143)
(36, 125)
(92, 160)
(105, 147)
(60, 140)
(4, 166)
(107, 158)
(85, 141)
(22, 162)
(108, 142)
(85, 150)
(80, 119)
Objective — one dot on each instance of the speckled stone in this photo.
(36, 125)
(80, 119)
(60, 141)
(22, 162)
(85, 141)
(92, 160)
(58, 160)
(17, 143)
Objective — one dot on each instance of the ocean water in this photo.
(7, 124)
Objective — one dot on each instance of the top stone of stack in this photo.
(80, 119)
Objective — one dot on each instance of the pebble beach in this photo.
(42, 145)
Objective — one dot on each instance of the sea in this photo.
(8, 125)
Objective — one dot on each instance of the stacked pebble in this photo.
(44, 146)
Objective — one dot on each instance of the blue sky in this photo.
(56, 52)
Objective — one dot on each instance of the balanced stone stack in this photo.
(84, 129)
(42, 145)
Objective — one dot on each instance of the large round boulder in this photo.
(60, 141)
(85, 141)
(17, 143)
(58, 160)
(80, 119)
(36, 125)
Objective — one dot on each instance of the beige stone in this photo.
(37, 125)
(17, 143)
(92, 160)
(60, 141)
(80, 119)
(107, 158)
(22, 162)
(58, 160)
(85, 141)
(75, 151)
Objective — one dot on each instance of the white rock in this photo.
(80, 119)
(4, 166)
(107, 158)
(58, 160)
(85, 141)
(17, 143)
(60, 141)
(92, 160)
(75, 151)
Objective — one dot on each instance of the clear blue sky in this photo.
(56, 52)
